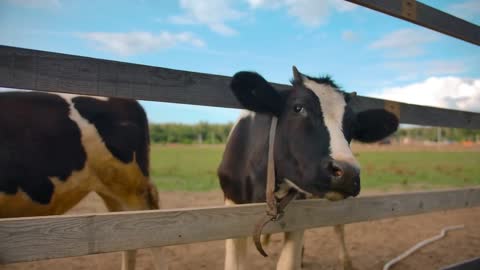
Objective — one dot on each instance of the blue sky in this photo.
(365, 51)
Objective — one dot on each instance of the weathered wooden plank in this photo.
(27, 239)
(426, 16)
(423, 115)
(46, 71)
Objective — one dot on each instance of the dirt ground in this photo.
(371, 244)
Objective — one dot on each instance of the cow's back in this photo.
(56, 148)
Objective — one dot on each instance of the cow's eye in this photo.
(298, 109)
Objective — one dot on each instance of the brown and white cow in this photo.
(57, 148)
(312, 149)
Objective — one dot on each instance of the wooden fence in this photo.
(26, 239)
(36, 238)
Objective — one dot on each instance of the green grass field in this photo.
(193, 168)
(185, 167)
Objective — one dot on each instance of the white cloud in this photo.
(309, 12)
(411, 70)
(437, 67)
(342, 5)
(36, 3)
(265, 3)
(213, 13)
(446, 92)
(468, 9)
(405, 42)
(217, 13)
(128, 43)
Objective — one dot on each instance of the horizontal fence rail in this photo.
(27, 239)
(55, 72)
(426, 16)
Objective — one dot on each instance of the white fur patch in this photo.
(90, 138)
(333, 107)
(243, 114)
(99, 158)
(229, 202)
(67, 192)
(71, 96)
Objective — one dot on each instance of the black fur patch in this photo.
(374, 125)
(325, 80)
(37, 140)
(256, 94)
(123, 126)
(320, 80)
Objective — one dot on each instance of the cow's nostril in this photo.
(335, 169)
(337, 172)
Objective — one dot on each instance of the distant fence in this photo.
(36, 238)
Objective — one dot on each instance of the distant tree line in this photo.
(202, 133)
(438, 134)
(205, 133)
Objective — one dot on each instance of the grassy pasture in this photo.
(193, 167)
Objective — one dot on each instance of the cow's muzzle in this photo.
(345, 178)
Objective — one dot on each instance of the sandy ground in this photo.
(370, 244)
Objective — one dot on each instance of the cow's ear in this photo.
(374, 125)
(256, 94)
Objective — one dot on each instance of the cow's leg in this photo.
(159, 258)
(235, 250)
(303, 254)
(291, 256)
(129, 256)
(345, 261)
(236, 254)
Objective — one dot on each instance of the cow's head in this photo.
(315, 127)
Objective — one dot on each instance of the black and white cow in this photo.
(312, 148)
(57, 148)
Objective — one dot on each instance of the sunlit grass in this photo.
(419, 169)
(193, 168)
(185, 167)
